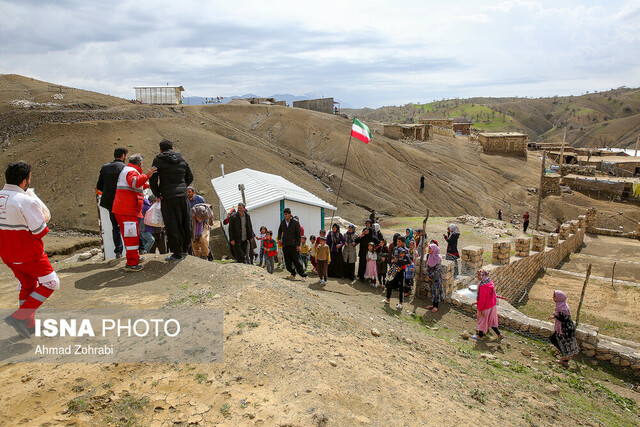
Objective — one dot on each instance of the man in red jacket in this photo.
(127, 207)
(22, 227)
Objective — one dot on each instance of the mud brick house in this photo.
(504, 142)
(418, 132)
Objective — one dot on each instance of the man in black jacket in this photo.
(107, 182)
(289, 235)
(175, 176)
(240, 233)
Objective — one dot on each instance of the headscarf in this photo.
(335, 237)
(348, 236)
(376, 227)
(434, 257)
(484, 277)
(453, 228)
(410, 236)
(395, 239)
(368, 221)
(561, 307)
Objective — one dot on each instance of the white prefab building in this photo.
(159, 94)
(266, 197)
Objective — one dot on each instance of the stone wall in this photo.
(505, 143)
(324, 105)
(590, 223)
(551, 184)
(443, 123)
(626, 359)
(393, 131)
(422, 285)
(438, 130)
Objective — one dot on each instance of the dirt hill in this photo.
(599, 119)
(67, 146)
(300, 354)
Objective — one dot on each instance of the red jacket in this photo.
(129, 197)
(487, 297)
(22, 226)
(270, 247)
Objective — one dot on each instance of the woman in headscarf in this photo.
(363, 240)
(349, 253)
(435, 277)
(377, 232)
(335, 241)
(487, 303)
(409, 237)
(564, 335)
(452, 236)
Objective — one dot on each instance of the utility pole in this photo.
(241, 188)
(637, 142)
(544, 155)
(561, 153)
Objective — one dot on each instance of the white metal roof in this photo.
(152, 87)
(261, 189)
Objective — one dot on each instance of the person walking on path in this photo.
(349, 253)
(170, 185)
(564, 335)
(487, 305)
(23, 224)
(363, 240)
(127, 207)
(335, 241)
(500, 215)
(422, 184)
(525, 223)
(289, 235)
(240, 231)
(270, 251)
(107, 182)
(435, 277)
(452, 236)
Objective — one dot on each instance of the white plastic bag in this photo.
(153, 217)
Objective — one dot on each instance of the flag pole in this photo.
(341, 178)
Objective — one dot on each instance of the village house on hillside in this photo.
(504, 142)
(159, 94)
(418, 132)
(324, 105)
(266, 196)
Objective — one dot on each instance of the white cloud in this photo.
(363, 53)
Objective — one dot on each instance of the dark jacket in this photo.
(107, 182)
(452, 243)
(290, 236)
(174, 174)
(235, 227)
(364, 242)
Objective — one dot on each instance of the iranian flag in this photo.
(361, 131)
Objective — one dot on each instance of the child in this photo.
(487, 307)
(261, 237)
(323, 258)
(371, 271)
(280, 255)
(413, 252)
(564, 336)
(382, 268)
(312, 252)
(395, 278)
(304, 251)
(408, 278)
(270, 251)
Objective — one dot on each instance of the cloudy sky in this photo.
(363, 53)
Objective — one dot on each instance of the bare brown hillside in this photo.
(67, 146)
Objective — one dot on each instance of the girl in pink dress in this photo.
(487, 307)
(371, 272)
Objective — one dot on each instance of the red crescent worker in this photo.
(22, 227)
(127, 207)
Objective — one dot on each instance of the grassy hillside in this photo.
(610, 118)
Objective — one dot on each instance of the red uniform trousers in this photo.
(32, 293)
(129, 229)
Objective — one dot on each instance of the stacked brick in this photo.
(590, 219)
(537, 243)
(523, 246)
(501, 252)
(573, 226)
(423, 288)
(582, 221)
(565, 230)
(471, 259)
(552, 240)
